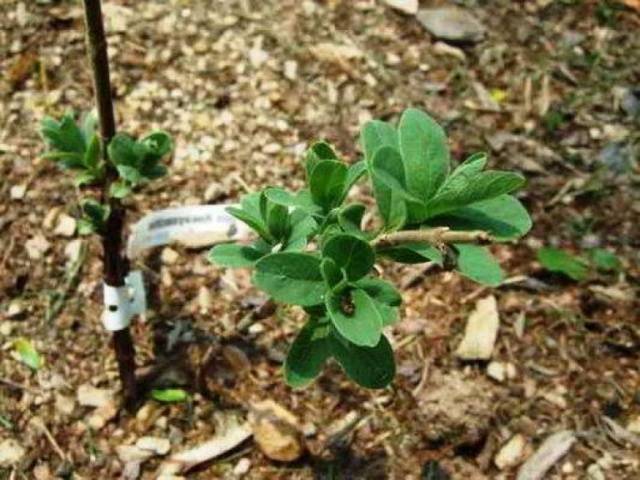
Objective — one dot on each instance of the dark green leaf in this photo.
(352, 254)
(64, 136)
(122, 150)
(354, 173)
(413, 253)
(331, 273)
(67, 160)
(355, 316)
(380, 291)
(291, 277)
(308, 353)
(129, 174)
(303, 227)
(278, 221)
(252, 221)
(234, 256)
(387, 167)
(350, 218)
(478, 264)
(158, 143)
(423, 145)
(317, 152)
(468, 190)
(369, 367)
(376, 134)
(504, 217)
(327, 183)
(556, 260)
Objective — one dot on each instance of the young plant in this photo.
(106, 167)
(312, 250)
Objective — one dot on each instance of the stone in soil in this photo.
(452, 24)
(276, 431)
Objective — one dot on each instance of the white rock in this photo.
(157, 445)
(17, 192)
(501, 371)
(634, 425)
(205, 300)
(66, 226)
(169, 256)
(276, 431)
(481, 331)
(73, 249)
(511, 454)
(444, 49)
(213, 192)
(133, 453)
(290, 70)
(242, 467)
(15, 309)
(11, 452)
(257, 56)
(37, 247)
(406, 6)
(64, 404)
(451, 23)
(90, 396)
(552, 450)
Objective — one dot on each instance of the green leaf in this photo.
(392, 208)
(380, 291)
(234, 256)
(331, 273)
(369, 367)
(154, 172)
(355, 316)
(317, 152)
(466, 191)
(278, 221)
(129, 174)
(503, 217)
(169, 395)
(85, 177)
(303, 227)
(92, 155)
(352, 254)
(423, 145)
(158, 143)
(350, 218)
(605, 260)
(308, 353)
(64, 136)
(291, 277)
(327, 183)
(95, 216)
(413, 253)
(556, 260)
(119, 189)
(387, 167)
(67, 160)
(354, 173)
(469, 168)
(252, 221)
(28, 354)
(122, 150)
(478, 264)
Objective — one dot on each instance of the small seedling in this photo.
(312, 250)
(576, 267)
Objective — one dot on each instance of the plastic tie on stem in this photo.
(122, 303)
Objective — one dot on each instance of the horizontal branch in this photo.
(438, 237)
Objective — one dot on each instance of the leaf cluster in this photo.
(77, 147)
(312, 250)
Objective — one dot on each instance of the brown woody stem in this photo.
(114, 263)
(438, 237)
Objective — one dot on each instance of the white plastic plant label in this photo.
(192, 226)
(122, 303)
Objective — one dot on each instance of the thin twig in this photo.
(114, 263)
(438, 237)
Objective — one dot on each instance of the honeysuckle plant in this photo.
(313, 251)
(76, 147)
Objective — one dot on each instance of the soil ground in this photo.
(244, 86)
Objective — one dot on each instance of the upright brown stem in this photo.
(114, 264)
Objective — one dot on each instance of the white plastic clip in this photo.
(122, 303)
